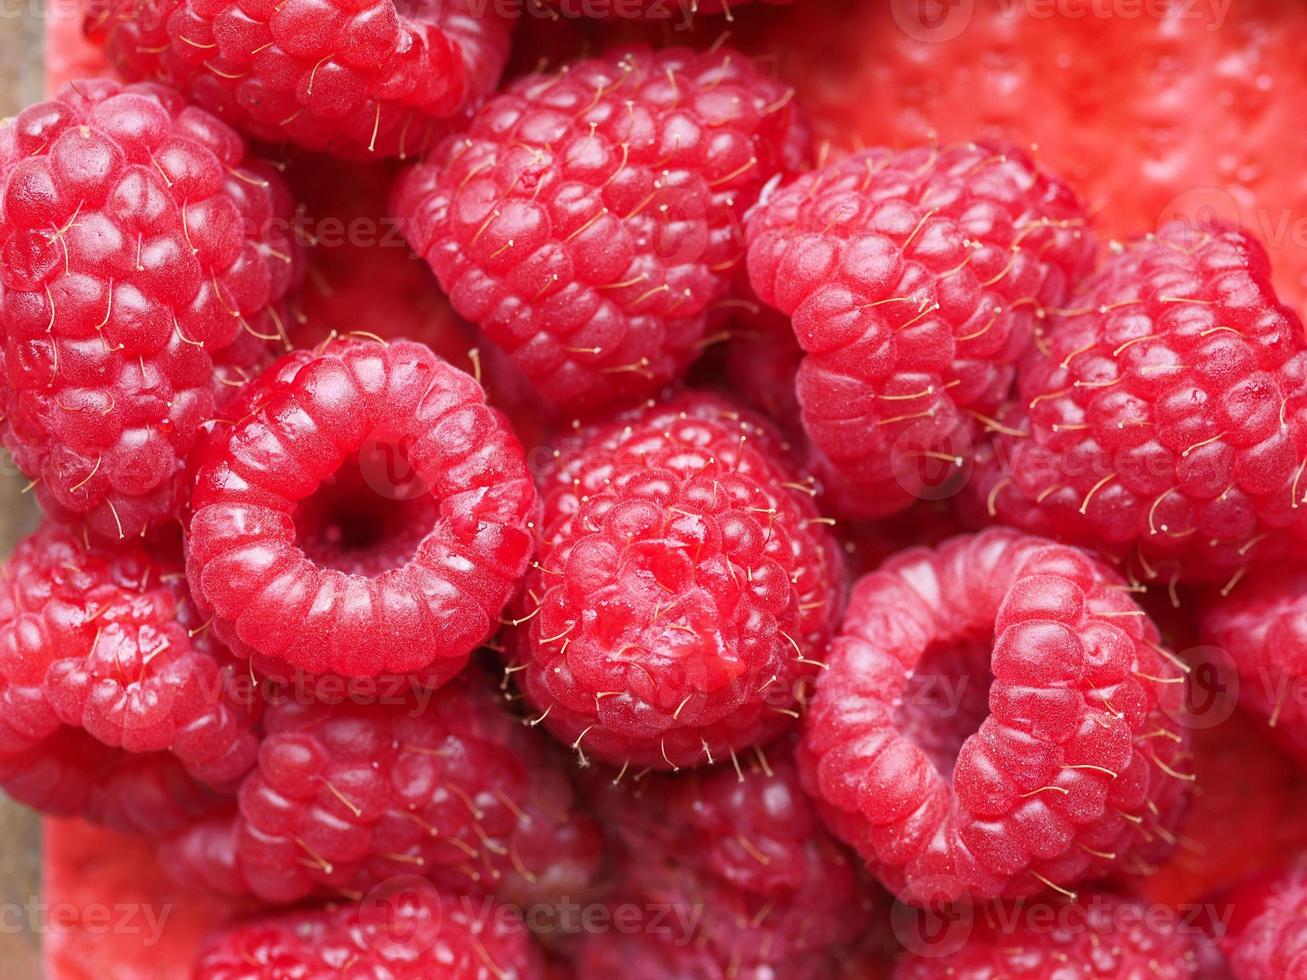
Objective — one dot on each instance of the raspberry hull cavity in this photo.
(1076, 771)
(413, 577)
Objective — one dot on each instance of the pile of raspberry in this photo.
(805, 563)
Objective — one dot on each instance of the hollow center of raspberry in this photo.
(946, 699)
(351, 526)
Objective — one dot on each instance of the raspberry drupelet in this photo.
(1266, 938)
(344, 797)
(998, 719)
(745, 851)
(589, 221)
(405, 932)
(1100, 935)
(110, 708)
(1162, 417)
(1262, 626)
(144, 258)
(685, 588)
(367, 513)
(356, 79)
(914, 281)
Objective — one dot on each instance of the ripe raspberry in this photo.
(368, 515)
(681, 12)
(408, 933)
(588, 220)
(768, 888)
(1267, 939)
(1162, 418)
(914, 280)
(997, 719)
(137, 246)
(1262, 626)
(345, 797)
(685, 588)
(103, 691)
(1101, 935)
(357, 78)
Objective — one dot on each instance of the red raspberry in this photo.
(368, 515)
(1262, 627)
(768, 889)
(914, 280)
(997, 719)
(588, 221)
(357, 78)
(347, 796)
(1162, 419)
(138, 245)
(1267, 939)
(406, 932)
(103, 691)
(685, 589)
(1099, 936)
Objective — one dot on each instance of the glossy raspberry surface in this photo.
(914, 280)
(144, 259)
(358, 79)
(1268, 935)
(109, 708)
(589, 221)
(1163, 416)
(684, 590)
(1077, 767)
(410, 933)
(367, 515)
(346, 796)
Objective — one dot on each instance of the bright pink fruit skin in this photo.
(1101, 935)
(1267, 939)
(406, 933)
(298, 561)
(914, 280)
(1076, 769)
(109, 708)
(1162, 418)
(685, 588)
(1262, 627)
(142, 262)
(365, 79)
(590, 220)
(747, 852)
(345, 797)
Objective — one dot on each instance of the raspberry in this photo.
(368, 515)
(404, 933)
(108, 708)
(588, 220)
(347, 796)
(997, 719)
(1102, 935)
(914, 280)
(1262, 626)
(1267, 939)
(138, 245)
(357, 78)
(685, 588)
(769, 889)
(1162, 418)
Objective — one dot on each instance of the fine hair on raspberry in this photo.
(146, 260)
(367, 513)
(1058, 759)
(914, 280)
(684, 591)
(590, 220)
